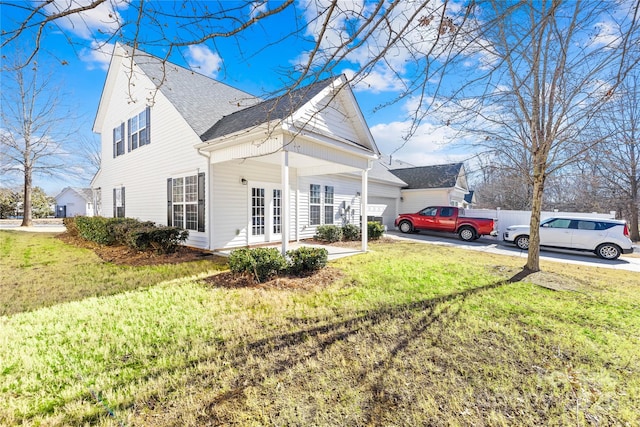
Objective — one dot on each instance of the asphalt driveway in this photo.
(629, 262)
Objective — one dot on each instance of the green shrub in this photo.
(95, 229)
(374, 230)
(306, 259)
(71, 226)
(350, 232)
(138, 235)
(120, 228)
(328, 233)
(159, 238)
(261, 263)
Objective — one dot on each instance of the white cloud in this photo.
(97, 56)
(258, 7)
(377, 81)
(203, 60)
(102, 19)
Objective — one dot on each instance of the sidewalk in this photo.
(45, 225)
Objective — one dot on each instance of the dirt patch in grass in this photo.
(123, 255)
(320, 279)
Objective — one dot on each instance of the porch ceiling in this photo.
(307, 165)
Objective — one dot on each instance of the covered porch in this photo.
(271, 177)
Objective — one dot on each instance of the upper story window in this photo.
(139, 134)
(118, 140)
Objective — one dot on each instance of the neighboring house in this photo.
(181, 149)
(74, 202)
(444, 185)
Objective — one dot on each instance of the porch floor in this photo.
(335, 252)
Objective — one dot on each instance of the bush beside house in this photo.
(138, 235)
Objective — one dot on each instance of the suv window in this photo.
(558, 223)
(585, 225)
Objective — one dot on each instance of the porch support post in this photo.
(363, 208)
(284, 214)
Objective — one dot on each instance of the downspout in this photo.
(208, 205)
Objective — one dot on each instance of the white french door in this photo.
(265, 213)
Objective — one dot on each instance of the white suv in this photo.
(607, 238)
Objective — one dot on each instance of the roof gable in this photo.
(435, 176)
(84, 193)
(278, 108)
(314, 108)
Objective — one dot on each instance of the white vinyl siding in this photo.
(144, 173)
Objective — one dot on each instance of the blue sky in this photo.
(243, 62)
(263, 58)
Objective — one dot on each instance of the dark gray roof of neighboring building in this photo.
(277, 108)
(436, 176)
(200, 100)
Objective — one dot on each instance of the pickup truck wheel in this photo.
(406, 227)
(608, 251)
(522, 242)
(467, 234)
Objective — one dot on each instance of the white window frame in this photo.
(136, 133)
(315, 202)
(327, 204)
(184, 199)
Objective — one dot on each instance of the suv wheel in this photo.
(608, 251)
(522, 242)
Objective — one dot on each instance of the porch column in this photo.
(284, 221)
(363, 209)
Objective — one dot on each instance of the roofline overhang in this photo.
(266, 130)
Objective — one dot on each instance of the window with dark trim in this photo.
(118, 140)
(139, 129)
(185, 202)
(118, 202)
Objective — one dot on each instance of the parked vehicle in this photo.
(446, 218)
(607, 238)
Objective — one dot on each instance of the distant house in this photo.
(444, 185)
(74, 202)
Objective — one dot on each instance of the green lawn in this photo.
(412, 335)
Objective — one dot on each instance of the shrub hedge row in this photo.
(265, 263)
(138, 235)
(348, 232)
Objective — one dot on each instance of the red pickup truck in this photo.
(446, 218)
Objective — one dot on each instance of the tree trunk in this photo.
(633, 211)
(26, 206)
(533, 256)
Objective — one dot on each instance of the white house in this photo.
(181, 149)
(74, 202)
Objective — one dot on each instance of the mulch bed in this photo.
(320, 279)
(123, 255)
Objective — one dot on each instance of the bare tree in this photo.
(540, 72)
(548, 74)
(32, 129)
(618, 158)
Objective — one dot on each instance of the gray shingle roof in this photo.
(277, 108)
(200, 100)
(436, 176)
